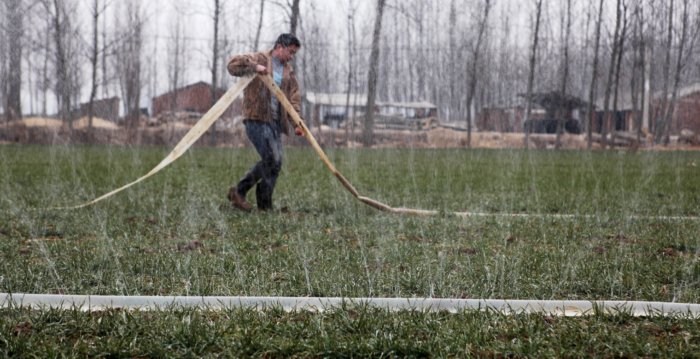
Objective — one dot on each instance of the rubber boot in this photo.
(246, 183)
(263, 195)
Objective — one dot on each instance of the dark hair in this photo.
(287, 40)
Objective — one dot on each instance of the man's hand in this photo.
(298, 131)
(262, 70)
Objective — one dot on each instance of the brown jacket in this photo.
(256, 97)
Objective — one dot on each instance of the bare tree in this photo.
(659, 123)
(452, 59)
(105, 74)
(45, 82)
(531, 76)
(215, 66)
(3, 56)
(368, 134)
(294, 17)
(564, 68)
(177, 58)
(128, 63)
(59, 15)
(351, 68)
(618, 66)
(611, 75)
(590, 114)
(474, 65)
(260, 23)
(679, 67)
(96, 11)
(637, 79)
(15, 34)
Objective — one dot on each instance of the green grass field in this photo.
(329, 244)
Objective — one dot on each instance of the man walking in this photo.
(265, 118)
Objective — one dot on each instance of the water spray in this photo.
(225, 101)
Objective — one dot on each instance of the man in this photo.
(265, 118)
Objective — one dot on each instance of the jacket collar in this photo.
(287, 66)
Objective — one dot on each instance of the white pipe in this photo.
(552, 307)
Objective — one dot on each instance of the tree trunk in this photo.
(214, 68)
(452, 66)
(129, 66)
(473, 70)
(294, 18)
(677, 77)
(531, 76)
(564, 108)
(590, 113)
(260, 23)
(175, 62)
(62, 87)
(659, 118)
(610, 79)
(45, 75)
(15, 33)
(368, 134)
(636, 86)
(105, 75)
(618, 65)
(93, 63)
(3, 59)
(351, 32)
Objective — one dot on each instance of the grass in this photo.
(347, 332)
(331, 245)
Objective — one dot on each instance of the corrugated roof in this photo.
(422, 104)
(336, 99)
(340, 99)
(624, 101)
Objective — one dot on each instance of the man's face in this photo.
(285, 54)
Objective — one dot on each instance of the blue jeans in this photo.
(267, 139)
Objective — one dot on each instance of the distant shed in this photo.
(329, 108)
(686, 113)
(107, 109)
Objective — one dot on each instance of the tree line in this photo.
(461, 55)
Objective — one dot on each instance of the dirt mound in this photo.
(96, 123)
(444, 137)
(36, 122)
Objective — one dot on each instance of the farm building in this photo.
(624, 116)
(329, 109)
(504, 119)
(546, 107)
(194, 98)
(686, 112)
(107, 109)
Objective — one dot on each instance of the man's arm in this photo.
(245, 64)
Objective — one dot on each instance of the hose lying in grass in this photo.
(505, 306)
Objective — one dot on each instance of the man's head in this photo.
(286, 47)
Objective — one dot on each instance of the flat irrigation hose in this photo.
(505, 306)
(190, 138)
